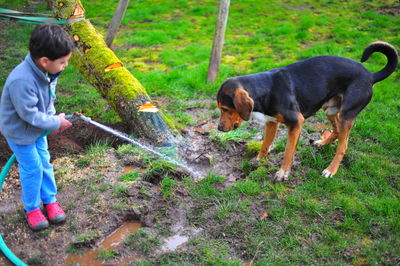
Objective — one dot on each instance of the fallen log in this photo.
(102, 68)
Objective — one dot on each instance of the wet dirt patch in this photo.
(110, 243)
(96, 204)
(128, 169)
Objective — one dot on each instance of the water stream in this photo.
(127, 138)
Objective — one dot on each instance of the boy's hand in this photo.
(64, 124)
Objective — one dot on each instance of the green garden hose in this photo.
(5, 170)
(3, 247)
(13, 15)
(7, 252)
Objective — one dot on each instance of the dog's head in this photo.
(235, 105)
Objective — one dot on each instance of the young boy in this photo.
(27, 111)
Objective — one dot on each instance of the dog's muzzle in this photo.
(222, 128)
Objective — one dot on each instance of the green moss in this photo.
(92, 46)
(229, 59)
(87, 33)
(67, 9)
(243, 66)
(101, 58)
(124, 85)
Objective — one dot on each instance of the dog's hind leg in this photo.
(331, 108)
(356, 97)
(269, 135)
(344, 133)
(293, 137)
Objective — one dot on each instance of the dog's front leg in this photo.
(269, 135)
(293, 137)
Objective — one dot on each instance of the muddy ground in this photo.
(88, 193)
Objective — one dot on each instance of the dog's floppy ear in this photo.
(243, 104)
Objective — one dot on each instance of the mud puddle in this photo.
(174, 242)
(112, 242)
(130, 168)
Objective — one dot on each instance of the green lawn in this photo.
(353, 218)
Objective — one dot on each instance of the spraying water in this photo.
(126, 137)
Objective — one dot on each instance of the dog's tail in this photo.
(389, 51)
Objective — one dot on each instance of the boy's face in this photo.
(54, 66)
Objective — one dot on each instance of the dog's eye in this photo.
(224, 110)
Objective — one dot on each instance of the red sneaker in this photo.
(36, 220)
(55, 213)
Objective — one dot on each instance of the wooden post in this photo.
(218, 43)
(116, 21)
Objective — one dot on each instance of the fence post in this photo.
(116, 21)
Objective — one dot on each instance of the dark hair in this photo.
(50, 41)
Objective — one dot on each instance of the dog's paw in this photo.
(281, 175)
(317, 143)
(326, 173)
(324, 139)
(263, 154)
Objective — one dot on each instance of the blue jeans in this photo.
(36, 173)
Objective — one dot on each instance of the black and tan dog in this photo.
(340, 86)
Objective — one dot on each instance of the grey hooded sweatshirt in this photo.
(27, 104)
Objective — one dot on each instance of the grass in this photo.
(85, 239)
(350, 219)
(223, 139)
(142, 240)
(167, 187)
(105, 255)
(130, 176)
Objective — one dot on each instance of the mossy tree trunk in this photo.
(107, 74)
